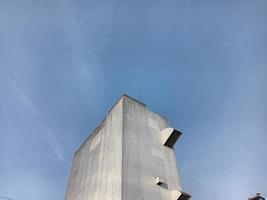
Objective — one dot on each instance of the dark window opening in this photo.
(184, 196)
(161, 182)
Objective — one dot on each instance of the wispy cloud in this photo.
(10, 84)
(7, 198)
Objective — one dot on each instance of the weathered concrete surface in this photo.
(97, 166)
(125, 159)
(144, 156)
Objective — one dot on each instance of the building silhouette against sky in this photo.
(130, 156)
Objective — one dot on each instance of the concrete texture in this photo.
(125, 158)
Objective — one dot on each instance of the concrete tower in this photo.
(130, 156)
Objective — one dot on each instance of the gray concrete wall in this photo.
(97, 169)
(122, 157)
(144, 156)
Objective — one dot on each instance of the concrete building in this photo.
(130, 156)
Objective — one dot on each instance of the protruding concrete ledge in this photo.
(161, 182)
(179, 195)
(170, 136)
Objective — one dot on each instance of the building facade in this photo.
(129, 156)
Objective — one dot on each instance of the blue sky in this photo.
(203, 65)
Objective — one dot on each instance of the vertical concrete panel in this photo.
(97, 166)
(144, 156)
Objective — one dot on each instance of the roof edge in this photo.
(94, 131)
(128, 97)
(134, 99)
